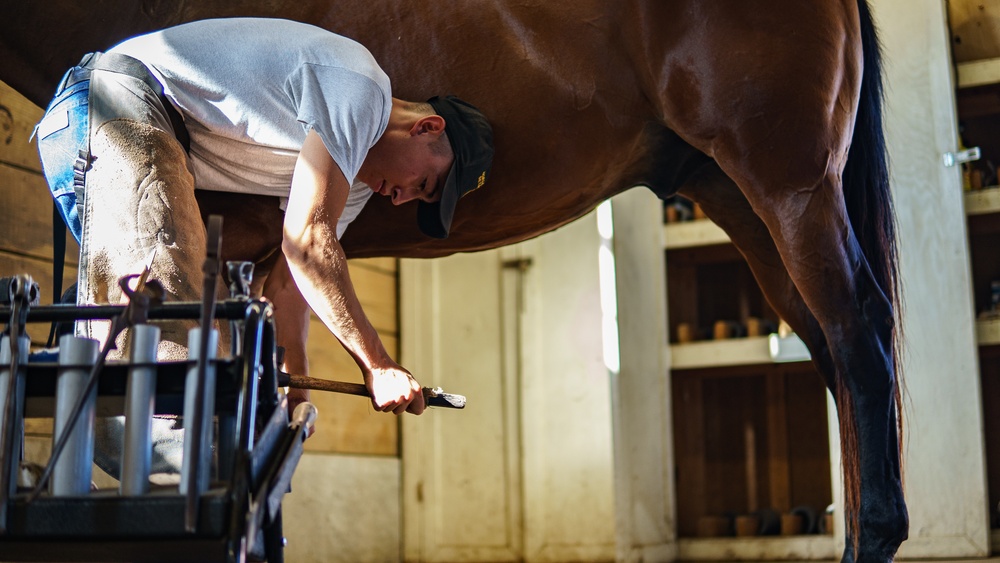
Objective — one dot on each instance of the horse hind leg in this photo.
(728, 208)
(813, 235)
(784, 139)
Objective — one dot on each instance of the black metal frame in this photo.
(238, 519)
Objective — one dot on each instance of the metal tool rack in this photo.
(236, 518)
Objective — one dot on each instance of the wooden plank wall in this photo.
(350, 424)
(346, 424)
(975, 29)
(26, 207)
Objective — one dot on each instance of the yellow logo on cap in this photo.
(479, 183)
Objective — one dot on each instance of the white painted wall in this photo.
(645, 503)
(343, 508)
(945, 467)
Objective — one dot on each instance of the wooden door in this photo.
(524, 473)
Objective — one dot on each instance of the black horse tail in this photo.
(870, 209)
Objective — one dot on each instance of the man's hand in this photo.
(393, 389)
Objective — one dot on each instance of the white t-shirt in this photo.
(249, 89)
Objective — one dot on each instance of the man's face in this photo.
(403, 164)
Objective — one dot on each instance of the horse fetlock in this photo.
(881, 539)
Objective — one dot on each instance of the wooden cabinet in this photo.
(751, 440)
(751, 443)
(983, 208)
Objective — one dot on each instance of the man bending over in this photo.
(241, 112)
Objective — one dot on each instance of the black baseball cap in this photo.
(471, 139)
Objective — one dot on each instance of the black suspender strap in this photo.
(58, 263)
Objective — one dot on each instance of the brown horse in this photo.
(767, 114)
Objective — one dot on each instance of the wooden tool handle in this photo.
(304, 382)
(433, 397)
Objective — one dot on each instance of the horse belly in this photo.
(251, 225)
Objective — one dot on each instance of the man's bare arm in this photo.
(291, 320)
(318, 265)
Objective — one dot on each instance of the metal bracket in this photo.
(240, 276)
(961, 157)
(147, 293)
(195, 470)
(520, 264)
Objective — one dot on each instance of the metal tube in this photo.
(72, 471)
(140, 400)
(17, 418)
(196, 465)
(224, 310)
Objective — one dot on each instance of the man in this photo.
(262, 107)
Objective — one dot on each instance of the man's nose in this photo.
(402, 194)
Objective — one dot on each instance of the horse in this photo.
(768, 115)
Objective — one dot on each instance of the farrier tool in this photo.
(435, 397)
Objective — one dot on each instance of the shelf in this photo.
(988, 332)
(801, 548)
(734, 352)
(978, 73)
(981, 202)
(692, 234)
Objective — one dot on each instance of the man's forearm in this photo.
(319, 268)
(291, 322)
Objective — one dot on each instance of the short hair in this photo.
(441, 146)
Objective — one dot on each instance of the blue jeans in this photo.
(62, 134)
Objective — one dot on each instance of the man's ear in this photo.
(433, 124)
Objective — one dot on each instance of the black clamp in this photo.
(20, 293)
(13, 287)
(240, 276)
